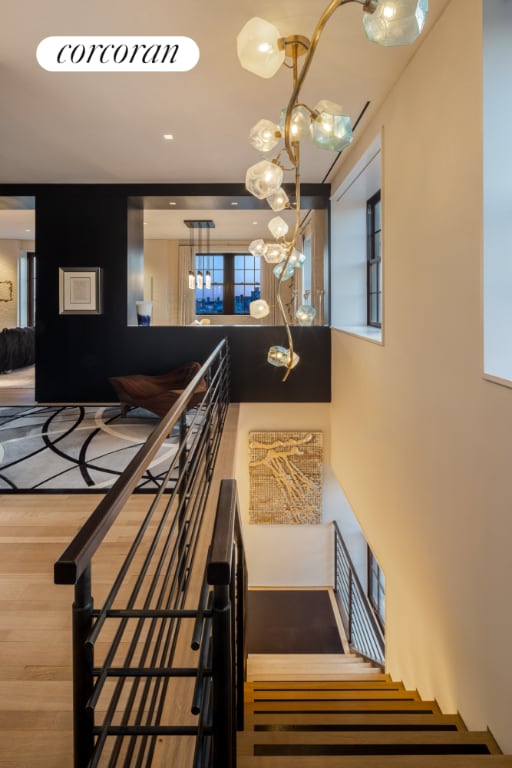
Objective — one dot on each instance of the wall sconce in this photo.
(262, 50)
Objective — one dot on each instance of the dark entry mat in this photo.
(291, 621)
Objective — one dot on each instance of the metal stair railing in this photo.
(151, 647)
(364, 633)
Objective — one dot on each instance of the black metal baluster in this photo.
(83, 716)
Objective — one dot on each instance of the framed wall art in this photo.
(285, 477)
(80, 290)
(6, 290)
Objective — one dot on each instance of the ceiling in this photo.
(108, 127)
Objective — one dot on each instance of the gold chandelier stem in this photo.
(299, 79)
(293, 147)
(290, 251)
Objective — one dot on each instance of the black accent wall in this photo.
(100, 226)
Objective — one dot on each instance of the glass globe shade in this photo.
(331, 129)
(395, 22)
(305, 314)
(263, 179)
(264, 135)
(258, 47)
(278, 227)
(299, 124)
(280, 357)
(283, 272)
(274, 253)
(297, 258)
(257, 247)
(259, 308)
(278, 201)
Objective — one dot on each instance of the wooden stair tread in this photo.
(326, 694)
(371, 719)
(374, 705)
(301, 666)
(299, 685)
(370, 674)
(327, 657)
(379, 761)
(247, 740)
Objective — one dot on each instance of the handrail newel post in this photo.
(241, 651)
(223, 756)
(82, 671)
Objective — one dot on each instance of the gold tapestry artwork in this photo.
(285, 477)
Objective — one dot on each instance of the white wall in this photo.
(161, 280)
(420, 441)
(285, 555)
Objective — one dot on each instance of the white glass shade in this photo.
(278, 201)
(305, 314)
(258, 47)
(199, 280)
(275, 253)
(191, 281)
(259, 308)
(299, 124)
(331, 129)
(278, 227)
(263, 179)
(208, 280)
(257, 247)
(264, 135)
(280, 357)
(283, 272)
(395, 22)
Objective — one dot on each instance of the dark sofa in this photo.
(17, 348)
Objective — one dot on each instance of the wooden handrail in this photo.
(219, 566)
(78, 554)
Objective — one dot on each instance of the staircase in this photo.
(321, 711)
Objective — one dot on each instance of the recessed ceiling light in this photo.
(255, 222)
(172, 202)
(168, 137)
(28, 230)
(234, 202)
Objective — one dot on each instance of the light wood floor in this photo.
(17, 387)
(35, 614)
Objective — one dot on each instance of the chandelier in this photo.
(262, 50)
(196, 246)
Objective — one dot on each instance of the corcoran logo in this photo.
(117, 54)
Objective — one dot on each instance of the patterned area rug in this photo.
(75, 448)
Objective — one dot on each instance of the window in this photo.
(376, 588)
(374, 261)
(349, 245)
(497, 173)
(235, 282)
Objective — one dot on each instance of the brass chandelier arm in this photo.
(369, 6)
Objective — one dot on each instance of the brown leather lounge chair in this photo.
(157, 393)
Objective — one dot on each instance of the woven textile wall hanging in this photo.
(285, 477)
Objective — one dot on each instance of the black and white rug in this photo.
(75, 448)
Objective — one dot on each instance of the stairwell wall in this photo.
(420, 441)
(293, 555)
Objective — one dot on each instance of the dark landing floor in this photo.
(291, 621)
